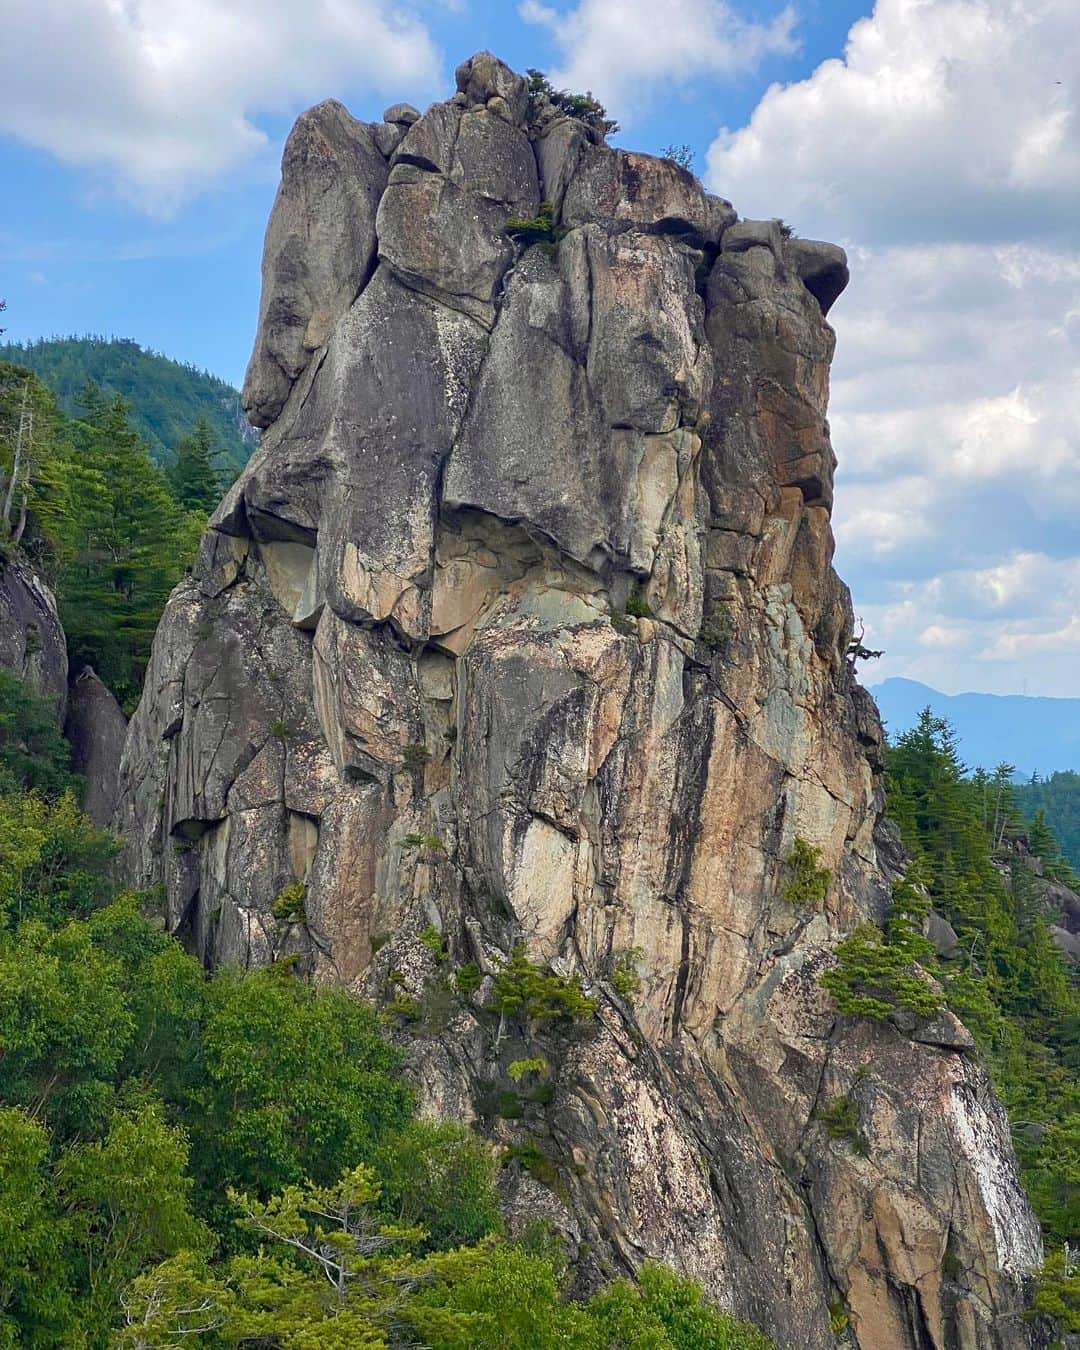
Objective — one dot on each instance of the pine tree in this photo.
(193, 477)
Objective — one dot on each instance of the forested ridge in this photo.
(1058, 796)
(167, 398)
(111, 531)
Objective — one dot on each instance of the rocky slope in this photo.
(521, 627)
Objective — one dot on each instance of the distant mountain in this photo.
(1038, 735)
(167, 398)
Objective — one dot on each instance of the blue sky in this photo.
(939, 140)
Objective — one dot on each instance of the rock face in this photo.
(96, 729)
(32, 642)
(521, 626)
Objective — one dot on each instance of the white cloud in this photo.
(946, 119)
(624, 50)
(944, 151)
(163, 96)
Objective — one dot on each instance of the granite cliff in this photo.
(520, 627)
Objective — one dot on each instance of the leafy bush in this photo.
(582, 107)
(289, 906)
(540, 229)
(535, 993)
(877, 972)
(807, 884)
(624, 976)
(841, 1120)
(33, 754)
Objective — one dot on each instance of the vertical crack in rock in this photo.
(534, 567)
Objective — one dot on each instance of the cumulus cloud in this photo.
(944, 151)
(163, 96)
(946, 119)
(623, 50)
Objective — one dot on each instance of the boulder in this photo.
(96, 729)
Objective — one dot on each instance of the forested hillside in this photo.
(108, 529)
(1059, 797)
(167, 399)
(1003, 976)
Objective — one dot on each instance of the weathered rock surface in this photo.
(96, 729)
(319, 249)
(522, 625)
(32, 642)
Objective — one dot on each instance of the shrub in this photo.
(624, 976)
(433, 941)
(682, 155)
(841, 1120)
(876, 972)
(535, 993)
(518, 1068)
(468, 979)
(289, 905)
(807, 883)
(636, 605)
(1057, 1292)
(540, 229)
(582, 107)
(415, 756)
(279, 730)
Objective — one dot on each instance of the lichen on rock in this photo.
(521, 628)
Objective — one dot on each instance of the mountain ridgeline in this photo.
(167, 399)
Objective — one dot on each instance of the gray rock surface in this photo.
(521, 624)
(96, 729)
(32, 642)
(319, 249)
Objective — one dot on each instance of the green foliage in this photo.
(129, 545)
(718, 626)
(441, 1178)
(168, 399)
(582, 107)
(468, 979)
(433, 941)
(279, 729)
(840, 1117)
(624, 976)
(637, 607)
(1057, 1292)
(872, 978)
(541, 229)
(682, 155)
(288, 907)
(521, 1068)
(1007, 982)
(669, 1312)
(415, 757)
(839, 1317)
(1058, 798)
(534, 993)
(807, 884)
(535, 1161)
(423, 844)
(193, 477)
(33, 754)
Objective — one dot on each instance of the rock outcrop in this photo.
(96, 729)
(521, 627)
(32, 642)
